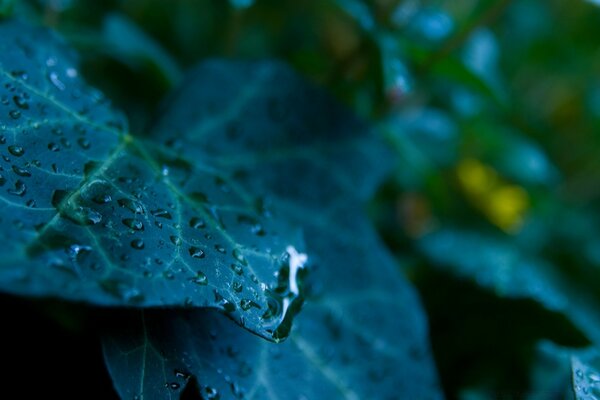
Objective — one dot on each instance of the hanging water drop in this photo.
(195, 252)
(134, 224)
(200, 279)
(137, 244)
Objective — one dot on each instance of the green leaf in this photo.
(586, 375)
(362, 331)
(551, 372)
(502, 267)
(93, 213)
(361, 323)
(131, 45)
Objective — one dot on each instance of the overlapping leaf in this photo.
(361, 333)
(500, 266)
(92, 213)
(586, 375)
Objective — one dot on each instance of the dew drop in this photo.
(54, 79)
(237, 269)
(21, 102)
(176, 240)
(82, 215)
(14, 114)
(19, 190)
(102, 198)
(195, 252)
(21, 171)
(200, 279)
(237, 254)
(197, 223)
(16, 151)
(83, 143)
(220, 249)
(137, 244)
(237, 286)
(134, 224)
(246, 304)
(161, 213)
(131, 205)
(53, 147)
(172, 385)
(182, 375)
(211, 393)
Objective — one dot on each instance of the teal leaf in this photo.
(361, 323)
(586, 375)
(95, 214)
(126, 42)
(500, 266)
(551, 372)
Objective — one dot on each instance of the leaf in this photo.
(509, 272)
(362, 331)
(586, 375)
(551, 372)
(349, 341)
(95, 214)
(128, 43)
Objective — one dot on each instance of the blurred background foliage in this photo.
(493, 110)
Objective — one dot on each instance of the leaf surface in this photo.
(361, 322)
(92, 213)
(586, 375)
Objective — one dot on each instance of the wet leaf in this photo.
(586, 375)
(361, 321)
(93, 213)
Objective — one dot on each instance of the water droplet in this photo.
(172, 385)
(237, 269)
(200, 279)
(197, 223)
(161, 213)
(237, 286)
(53, 146)
(210, 393)
(21, 171)
(102, 198)
(236, 390)
(169, 275)
(133, 224)
(237, 254)
(14, 114)
(82, 215)
(195, 252)
(84, 143)
(16, 151)
(176, 240)
(247, 304)
(66, 143)
(182, 375)
(227, 306)
(132, 205)
(220, 249)
(255, 227)
(21, 102)
(54, 79)
(19, 190)
(76, 251)
(137, 244)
